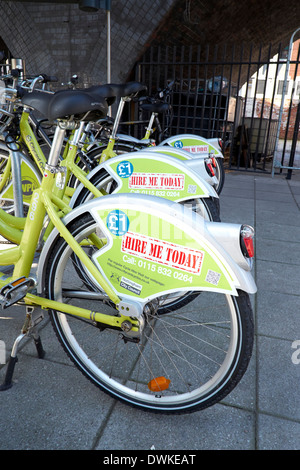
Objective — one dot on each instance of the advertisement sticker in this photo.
(162, 179)
(148, 255)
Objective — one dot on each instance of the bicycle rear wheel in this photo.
(181, 361)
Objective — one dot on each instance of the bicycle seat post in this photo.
(149, 129)
(78, 133)
(56, 147)
(118, 117)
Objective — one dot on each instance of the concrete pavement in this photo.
(52, 406)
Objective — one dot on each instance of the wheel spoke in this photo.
(182, 359)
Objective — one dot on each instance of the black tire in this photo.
(8, 206)
(220, 174)
(203, 350)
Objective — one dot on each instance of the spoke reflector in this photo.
(159, 384)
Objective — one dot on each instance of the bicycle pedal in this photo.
(15, 291)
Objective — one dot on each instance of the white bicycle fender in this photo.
(143, 172)
(194, 144)
(196, 162)
(131, 139)
(155, 247)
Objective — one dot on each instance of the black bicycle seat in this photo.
(66, 103)
(104, 91)
(158, 107)
(129, 89)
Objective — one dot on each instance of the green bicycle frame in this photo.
(5, 174)
(68, 158)
(10, 226)
(21, 256)
(28, 137)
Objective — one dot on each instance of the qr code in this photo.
(212, 277)
(192, 188)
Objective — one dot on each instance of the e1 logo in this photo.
(125, 169)
(178, 144)
(2, 353)
(117, 222)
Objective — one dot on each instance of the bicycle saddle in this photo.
(129, 89)
(63, 104)
(158, 107)
(111, 91)
(104, 91)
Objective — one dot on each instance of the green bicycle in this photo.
(106, 141)
(133, 249)
(23, 172)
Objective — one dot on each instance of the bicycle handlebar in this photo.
(42, 78)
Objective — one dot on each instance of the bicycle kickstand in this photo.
(28, 330)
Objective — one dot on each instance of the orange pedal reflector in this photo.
(18, 281)
(158, 384)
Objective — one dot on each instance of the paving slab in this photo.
(51, 406)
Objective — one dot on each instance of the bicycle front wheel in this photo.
(181, 361)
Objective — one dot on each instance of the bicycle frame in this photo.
(28, 138)
(20, 168)
(45, 202)
(68, 167)
(141, 235)
(196, 146)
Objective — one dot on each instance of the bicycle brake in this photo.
(15, 291)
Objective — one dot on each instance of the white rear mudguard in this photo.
(196, 162)
(194, 144)
(132, 140)
(156, 247)
(155, 174)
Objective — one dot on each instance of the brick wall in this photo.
(62, 40)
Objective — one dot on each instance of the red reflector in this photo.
(249, 246)
(211, 169)
(247, 234)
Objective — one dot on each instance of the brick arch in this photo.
(21, 37)
(218, 21)
(58, 38)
